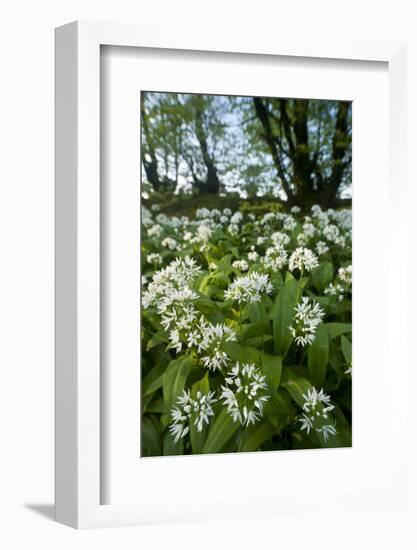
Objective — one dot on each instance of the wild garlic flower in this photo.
(289, 223)
(280, 239)
(155, 230)
(333, 235)
(309, 229)
(212, 339)
(275, 258)
(241, 265)
(202, 213)
(302, 239)
(203, 233)
(316, 409)
(245, 393)
(295, 210)
(268, 217)
(335, 290)
(327, 430)
(321, 248)
(308, 316)
(302, 259)
(178, 274)
(191, 411)
(169, 243)
(345, 274)
(233, 229)
(154, 258)
(236, 218)
(253, 256)
(248, 289)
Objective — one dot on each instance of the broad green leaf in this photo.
(346, 346)
(151, 440)
(157, 406)
(255, 313)
(255, 435)
(156, 340)
(259, 341)
(295, 385)
(322, 275)
(153, 380)
(174, 379)
(243, 354)
(283, 314)
(220, 431)
(336, 329)
(170, 447)
(318, 356)
(250, 330)
(272, 369)
(279, 410)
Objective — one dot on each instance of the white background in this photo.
(26, 301)
(366, 465)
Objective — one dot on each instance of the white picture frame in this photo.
(78, 405)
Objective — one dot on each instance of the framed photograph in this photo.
(226, 327)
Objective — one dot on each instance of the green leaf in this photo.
(295, 385)
(243, 354)
(174, 379)
(322, 275)
(151, 441)
(156, 340)
(279, 410)
(318, 356)
(272, 369)
(153, 380)
(336, 329)
(283, 314)
(251, 330)
(220, 432)
(170, 447)
(346, 346)
(255, 435)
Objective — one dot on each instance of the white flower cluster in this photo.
(302, 259)
(280, 239)
(339, 289)
(171, 295)
(176, 276)
(245, 393)
(248, 289)
(322, 248)
(308, 316)
(316, 409)
(189, 410)
(345, 274)
(212, 339)
(241, 265)
(154, 258)
(275, 258)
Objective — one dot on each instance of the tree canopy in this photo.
(298, 150)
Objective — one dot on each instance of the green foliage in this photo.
(262, 334)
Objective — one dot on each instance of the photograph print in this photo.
(246, 274)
